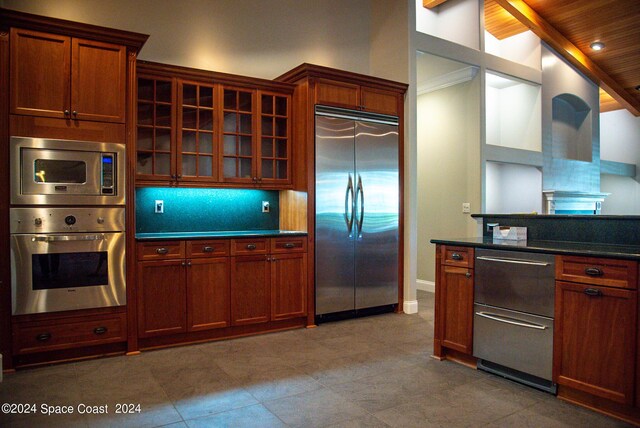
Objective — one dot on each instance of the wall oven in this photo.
(67, 258)
(65, 172)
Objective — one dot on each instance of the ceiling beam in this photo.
(430, 4)
(525, 14)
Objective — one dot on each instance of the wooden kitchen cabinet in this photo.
(355, 96)
(454, 308)
(210, 129)
(208, 293)
(595, 340)
(250, 289)
(288, 286)
(67, 77)
(162, 297)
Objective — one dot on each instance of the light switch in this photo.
(159, 207)
(466, 207)
(265, 207)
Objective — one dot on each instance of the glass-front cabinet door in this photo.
(154, 125)
(238, 145)
(197, 159)
(274, 154)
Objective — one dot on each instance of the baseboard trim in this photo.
(410, 307)
(423, 285)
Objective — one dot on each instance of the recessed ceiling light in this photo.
(597, 46)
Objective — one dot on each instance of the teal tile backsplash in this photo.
(204, 210)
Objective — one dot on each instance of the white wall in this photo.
(246, 37)
(455, 20)
(513, 188)
(620, 142)
(448, 137)
(523, 48)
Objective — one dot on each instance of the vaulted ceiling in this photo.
(570, 27)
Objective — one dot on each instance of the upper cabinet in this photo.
(354, 96)
(67, 77)
(211, 129)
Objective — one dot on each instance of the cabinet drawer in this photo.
(158, 250)
(215, 248)
(249, 246)
(457, 256)
(68, 333)
(597, 271)
(289, 245)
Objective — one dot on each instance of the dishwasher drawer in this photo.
(513, 339)
(516, 280)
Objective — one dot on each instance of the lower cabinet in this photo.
(185, 286)
(162, 297)
(454, 307)
(250, 289)
(595, 340)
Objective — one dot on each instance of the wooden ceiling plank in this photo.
(430, 4)
(527, 16)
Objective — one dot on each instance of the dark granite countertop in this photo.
(219, 234)
(556, 247)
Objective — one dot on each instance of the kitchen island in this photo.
(595, 324)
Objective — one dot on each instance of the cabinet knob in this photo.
(251, 246)
(468, 274)
(43, 337)
(162, 250)
(179, 176)
(592, 292)
(189, 263)
(183, 264)
(593, 271)
(289, 245)
(74, 113)
(456, 256)
(207, 249)
(66, 112)
(100, 330)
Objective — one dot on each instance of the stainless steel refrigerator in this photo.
(357, 209)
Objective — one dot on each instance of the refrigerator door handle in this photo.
(348, 217)
(360, 201)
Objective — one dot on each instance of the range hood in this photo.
(569, 202)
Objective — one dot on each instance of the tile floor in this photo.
(369, 372)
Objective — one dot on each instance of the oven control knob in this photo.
(70, 220)
(38, 221)
(100, 220)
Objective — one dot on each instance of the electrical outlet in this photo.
(266, 207)
(159, 207)
(466, 207)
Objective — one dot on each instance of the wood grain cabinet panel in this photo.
(595, 340)
(162, 298)
(456, 288)
(40, 73)
(379, 101)
(66, 77)
(160, 250)
(598, 271)
(340, 94)
(458, 256)
(250, 290)
(206, 248)
(288, 286)
(208, 293)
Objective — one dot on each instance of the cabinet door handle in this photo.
(592, 292)
(468, 274)
(594, 271)
(74, 113)
(173, 176)
(43, 337)
(207, 249)
(251, 246)
(162, 250)
(189, 263)
(100, 330)
(289, 245)
(66, 112)
(456, 256)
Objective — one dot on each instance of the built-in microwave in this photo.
(66, 172)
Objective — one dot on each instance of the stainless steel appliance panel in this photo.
(376, 219)
(335, 192)
(67, 219)
(50, 271)
(514, 339)
(65, 172)
(520, 281)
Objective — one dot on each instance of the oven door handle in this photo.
(513, 321)
(62, 238)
